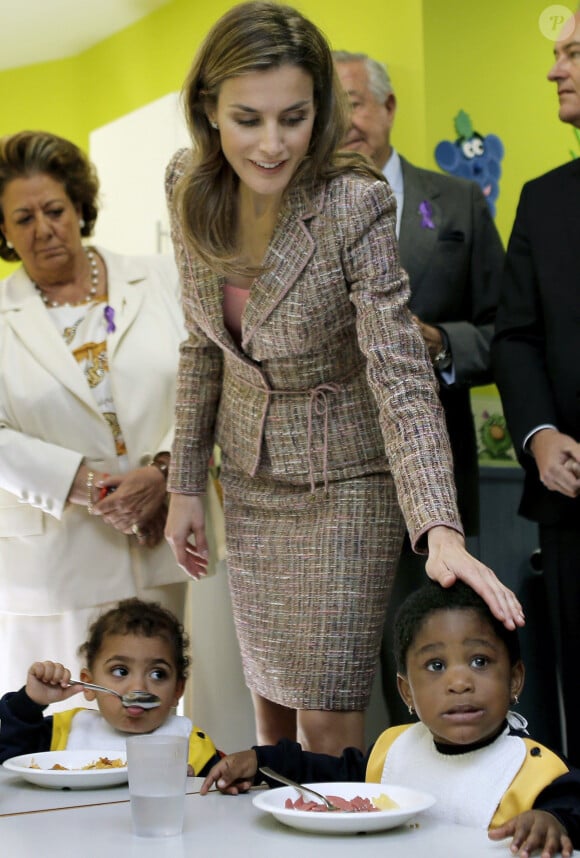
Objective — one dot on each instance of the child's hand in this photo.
(535, 829)
(233, 774)
(47, 682)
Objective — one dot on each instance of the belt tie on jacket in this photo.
(318, 404)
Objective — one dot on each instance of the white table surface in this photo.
(20, 796)
(215, 825)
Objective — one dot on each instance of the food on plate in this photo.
(106, 763)
(385, 802)
(101, 763)
(352, 805)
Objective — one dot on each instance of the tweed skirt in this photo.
(310, 574)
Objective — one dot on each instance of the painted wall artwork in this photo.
(473, 156)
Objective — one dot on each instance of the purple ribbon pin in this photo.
(110, 319)
(426, 212)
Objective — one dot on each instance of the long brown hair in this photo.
(250, 37)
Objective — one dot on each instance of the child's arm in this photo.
(233, 774)
(535, 829)
(23, 727)
(238, 772)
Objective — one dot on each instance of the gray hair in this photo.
(379, 81)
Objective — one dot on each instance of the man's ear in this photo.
(87, 676)
(391, 105)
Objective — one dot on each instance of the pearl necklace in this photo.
(91, 256)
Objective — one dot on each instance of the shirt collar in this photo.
(393, 173)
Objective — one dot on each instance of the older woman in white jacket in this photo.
(88, 356)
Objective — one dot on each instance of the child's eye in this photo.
(119, 671)
(479, 661)
(436, 665)
(159, 673)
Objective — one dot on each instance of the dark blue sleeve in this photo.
(23, 728)
(562, 799)
(289, 759)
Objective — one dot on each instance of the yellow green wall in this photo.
(489, 59)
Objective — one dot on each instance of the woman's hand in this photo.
(535, 829)
(48, 682)
(137, 498)
(449, 561)
(186, 519)
(233, 774)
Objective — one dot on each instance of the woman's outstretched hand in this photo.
(449, 561)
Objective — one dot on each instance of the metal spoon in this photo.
(270, 773)
(143, 699)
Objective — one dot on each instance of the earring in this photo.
(82, 223)
(214, 124)
(514, 700)
(9, 245)
(411, 710)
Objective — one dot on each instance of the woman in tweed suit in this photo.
(303, 364)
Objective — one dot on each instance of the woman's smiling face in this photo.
(459, 677)
(265, 121)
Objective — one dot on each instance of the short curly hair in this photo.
(429, 599)
(137, 617)
(28, 153)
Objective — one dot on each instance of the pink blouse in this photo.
(234, 301)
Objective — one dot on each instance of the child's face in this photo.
(134, 663)
(459, 678)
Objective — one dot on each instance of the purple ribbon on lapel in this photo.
(109, 318)
(426, 212)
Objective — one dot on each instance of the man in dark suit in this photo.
(536, 356)
(454, 257)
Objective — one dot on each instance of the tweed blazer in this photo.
(455, 272)
(332, 379)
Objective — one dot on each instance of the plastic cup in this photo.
(157, 767)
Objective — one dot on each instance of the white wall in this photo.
(131, 155)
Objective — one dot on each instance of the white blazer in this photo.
(54, 556)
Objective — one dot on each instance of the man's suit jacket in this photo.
(54, 556)
(455, 274)
(536, 350)
(329, 358)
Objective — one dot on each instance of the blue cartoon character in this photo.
(474, 157)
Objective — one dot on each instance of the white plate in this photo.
(410, 803)
(74, 761)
